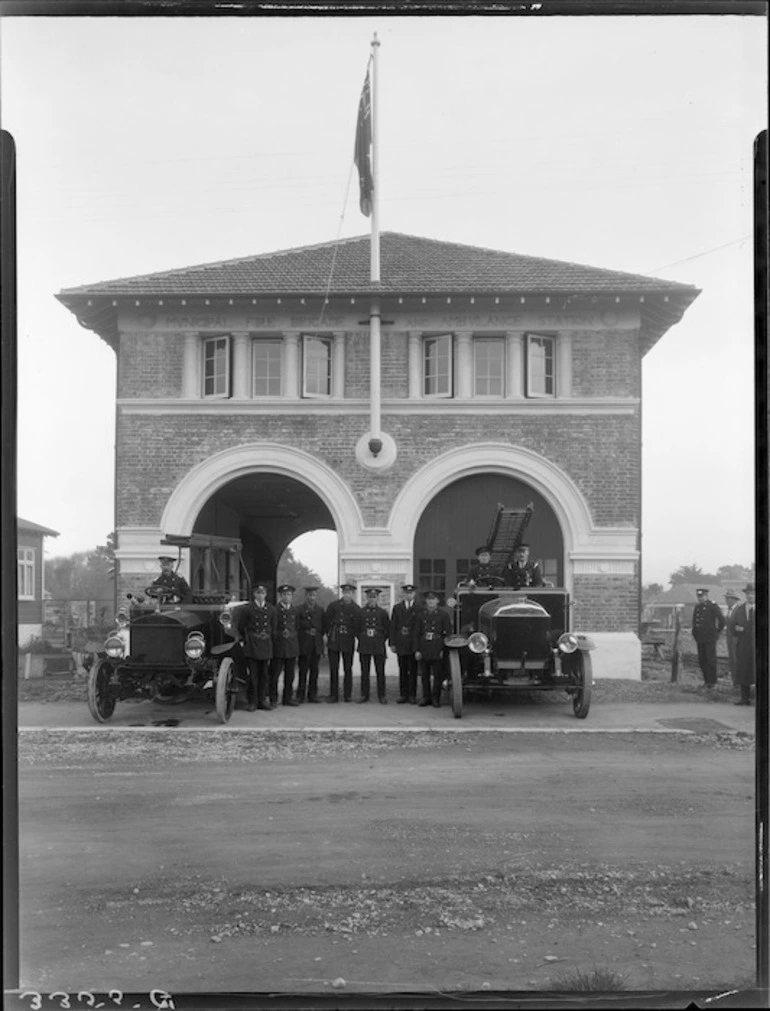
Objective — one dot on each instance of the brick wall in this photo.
(601, 454)
(606, 364)
(150, 364)
(606, 603)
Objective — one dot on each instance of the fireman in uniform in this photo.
(432, 627)
(373, 630)
(402, 622)
(255, 625)
(707, 622)
(172, 580)
(482, 571)
(340, 624)
(521, 572)
(285, 646)
(311, 645)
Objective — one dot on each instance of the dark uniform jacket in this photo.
(520, 576)
(430, 629)
(311, 629)
(482, 573)
(256, 626)
(340, 624)
(402, 622)
(175, 583)
(707, 621)
(373, 630)
(742, 626)
(286, 635)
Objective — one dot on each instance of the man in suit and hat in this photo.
(432, 627)
(482, 571)
(172, 581)
(402, 621)
(522, 573)
(731, 602)
(255, 624)
(285, 646)
(311, 644)
(707, 622)
(742, 623)
(340, 624)
(372, 632)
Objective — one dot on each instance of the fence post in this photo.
(675, 651)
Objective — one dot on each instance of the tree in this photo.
(692, 574)
(292, 571)
(728, 572)
(650, 592)
(84, 575)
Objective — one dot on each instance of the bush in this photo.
(592, 981)
(39, 647)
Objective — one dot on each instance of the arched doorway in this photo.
(458, 519)
(266, 511)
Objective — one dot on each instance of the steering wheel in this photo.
(494, 581)
(160, 592)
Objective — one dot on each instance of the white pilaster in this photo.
(241, 365)
(464, 371)
(338, 365)
(514, 365)
(564, 365)
(414, 365)
(290, 390)
(191, 378)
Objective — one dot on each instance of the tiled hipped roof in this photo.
(409, 265)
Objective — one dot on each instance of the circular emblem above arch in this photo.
(207, 477)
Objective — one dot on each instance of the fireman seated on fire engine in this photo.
(173, 582)
(521, 573)
(482, 572)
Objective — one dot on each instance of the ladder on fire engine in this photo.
(506, 533)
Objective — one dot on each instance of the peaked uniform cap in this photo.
(166, 558)
(347, 586)
(286, 588)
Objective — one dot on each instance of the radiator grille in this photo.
(516, 636)
(158, 644)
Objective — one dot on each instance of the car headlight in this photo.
(195, 646)
(568, 642)
(478, 642)
(121, 619)
(113, 647)
(451, 601)
(226, 619)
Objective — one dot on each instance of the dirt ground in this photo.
(392, 862)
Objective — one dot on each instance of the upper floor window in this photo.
(540, 365)
(432, 575)
(216, 367)
(266, 367)
(25, 569)
(437, 366)
(488, 366)
(316, 366)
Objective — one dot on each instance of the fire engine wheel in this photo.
(581, 698)
(226, 690)
(457, 683)
(101, 701)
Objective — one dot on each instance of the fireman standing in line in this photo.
(255, 624)
(431, 630)
(372, 631)
(340, 624)
(285, 647)
(707, 622)
(402, 622)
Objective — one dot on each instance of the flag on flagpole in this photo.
(363, 147)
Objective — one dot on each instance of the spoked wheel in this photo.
(101, 701)
(581, 698)
(226, 690)
(457, 683)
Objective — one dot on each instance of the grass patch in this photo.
(591, 981)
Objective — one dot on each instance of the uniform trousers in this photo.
(334, 679)
(285, 665)
(308, 664)
(258, 681)
(432, 669)
(379, 669)
(707, 659)
(407, 676)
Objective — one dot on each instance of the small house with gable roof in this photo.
(243, 407)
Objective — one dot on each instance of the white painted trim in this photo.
(439, 406)
(207, 477)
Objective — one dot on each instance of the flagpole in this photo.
(375, 441)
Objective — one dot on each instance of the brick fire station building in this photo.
(243, 409)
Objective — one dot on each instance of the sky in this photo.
(622, 142)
